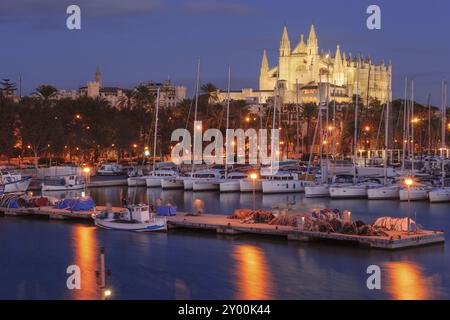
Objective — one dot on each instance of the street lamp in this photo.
(87, 172)
(253, 176)
(409, 182)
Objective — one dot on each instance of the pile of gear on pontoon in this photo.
(326, 220)
(16, 201)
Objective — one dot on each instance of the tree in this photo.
(46, 91)
(7, 89)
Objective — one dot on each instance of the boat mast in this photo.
(443, 116)
(195, 115)
(298, 115)
(156, 130)
(228, 120)
(405, 128)
(355, 133)
(413, 142)
(327, 112)
(320, 130)
(386, 134)
(272, 142)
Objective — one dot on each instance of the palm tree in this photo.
(308, 113)
(210, 91)
(46, 91)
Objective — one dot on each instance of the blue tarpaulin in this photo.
(76, 204)
(166, 211)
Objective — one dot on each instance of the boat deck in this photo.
(222, 225)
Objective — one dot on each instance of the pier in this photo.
(220, 224)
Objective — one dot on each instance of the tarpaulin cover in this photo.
(166, 211)
(76, 204)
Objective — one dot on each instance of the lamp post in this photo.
(409, 182)
(87, 172)
(253, 176)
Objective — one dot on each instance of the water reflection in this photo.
(85, 246)
(406, 281)
(253, 277)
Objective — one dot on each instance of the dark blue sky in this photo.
(141, 40)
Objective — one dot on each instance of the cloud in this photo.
(14, 8)
(217, 7)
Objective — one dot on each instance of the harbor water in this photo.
(35, 254)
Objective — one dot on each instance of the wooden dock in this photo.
(222, 225)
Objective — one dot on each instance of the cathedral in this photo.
(309, 75)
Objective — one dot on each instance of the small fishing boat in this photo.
(10, 182)
(63, 183)
(137, 218)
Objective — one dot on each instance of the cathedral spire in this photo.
(337, 57)
(313, 44)
(312, 35)
(285, 44)
(98, 75)
(264, 63)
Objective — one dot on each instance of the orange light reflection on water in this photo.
(406, 281)
(253, 278)
(86, 255)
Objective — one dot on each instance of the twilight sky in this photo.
(142, 40)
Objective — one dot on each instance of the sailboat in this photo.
(322, 189)
(386, 191)
(442, 194)
(355, 190)
(417, 192)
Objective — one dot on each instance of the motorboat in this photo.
(137, 218)
(63, 183)
(13, 182)
(284, 182)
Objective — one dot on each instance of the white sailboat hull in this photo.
(284, 186)
(439, 195)
(383, 193)
(414, 194)
(172, 183)
(205, 185)
(188, 184)
(153, 182)
(318, 191)
(230, 186)
(348, 192)
(250, 185)
(136, 182)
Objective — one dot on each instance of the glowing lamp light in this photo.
(86, 170)
(330, 128)
(253, 176)
(409, 182)
(135, 145)
(367, 128)
(107, 293)
(146, 153)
